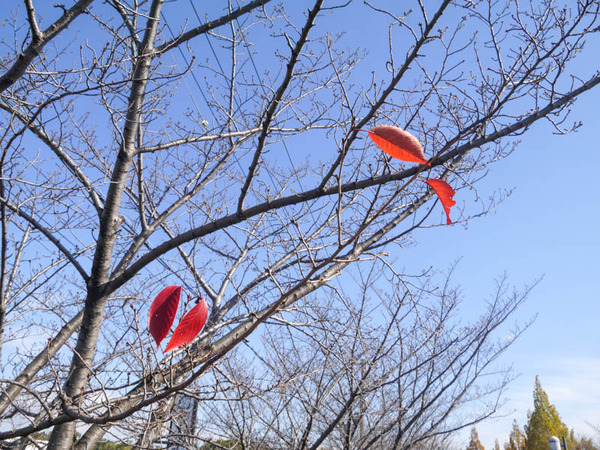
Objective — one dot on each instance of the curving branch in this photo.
(39, 40)
(42, 229)
(62, 155)
(203, 29)
(444, 155)
(274, 102)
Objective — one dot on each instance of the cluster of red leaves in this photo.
(162, 314)
(402, 145)
(394, 141)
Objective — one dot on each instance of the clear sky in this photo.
(548, 227)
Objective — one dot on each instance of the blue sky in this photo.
(547, 227)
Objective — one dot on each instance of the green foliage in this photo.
(222, 444)
(474, 443)
(102, 445)
(516, 439)
(582, 443)
(40, 436)
(544, 421)
(107, 445)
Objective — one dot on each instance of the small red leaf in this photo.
(189, 327)
(445, 193)
(398, 143)
(162, 312)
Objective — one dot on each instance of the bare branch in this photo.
(203, 29)
(34, 49)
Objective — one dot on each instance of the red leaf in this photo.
(162, 312)
(445, 193)
(189, 327)
(398, 143)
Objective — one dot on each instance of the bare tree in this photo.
(143, 146)
(395, 368)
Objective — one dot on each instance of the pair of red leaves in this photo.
(162, 314)
(402, 145)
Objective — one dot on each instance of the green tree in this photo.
(222, 443)
(581, 442)
(474, 443)
(516, 439)
(107, 445)
(544, 421)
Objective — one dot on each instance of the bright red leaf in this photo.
(189, 327)
(398, 143)
(445, 193)
(162, 312)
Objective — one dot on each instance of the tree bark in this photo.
(97, 294)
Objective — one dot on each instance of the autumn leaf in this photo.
(445, 193)
(397, 143)
(189, 327)
(162, 312)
